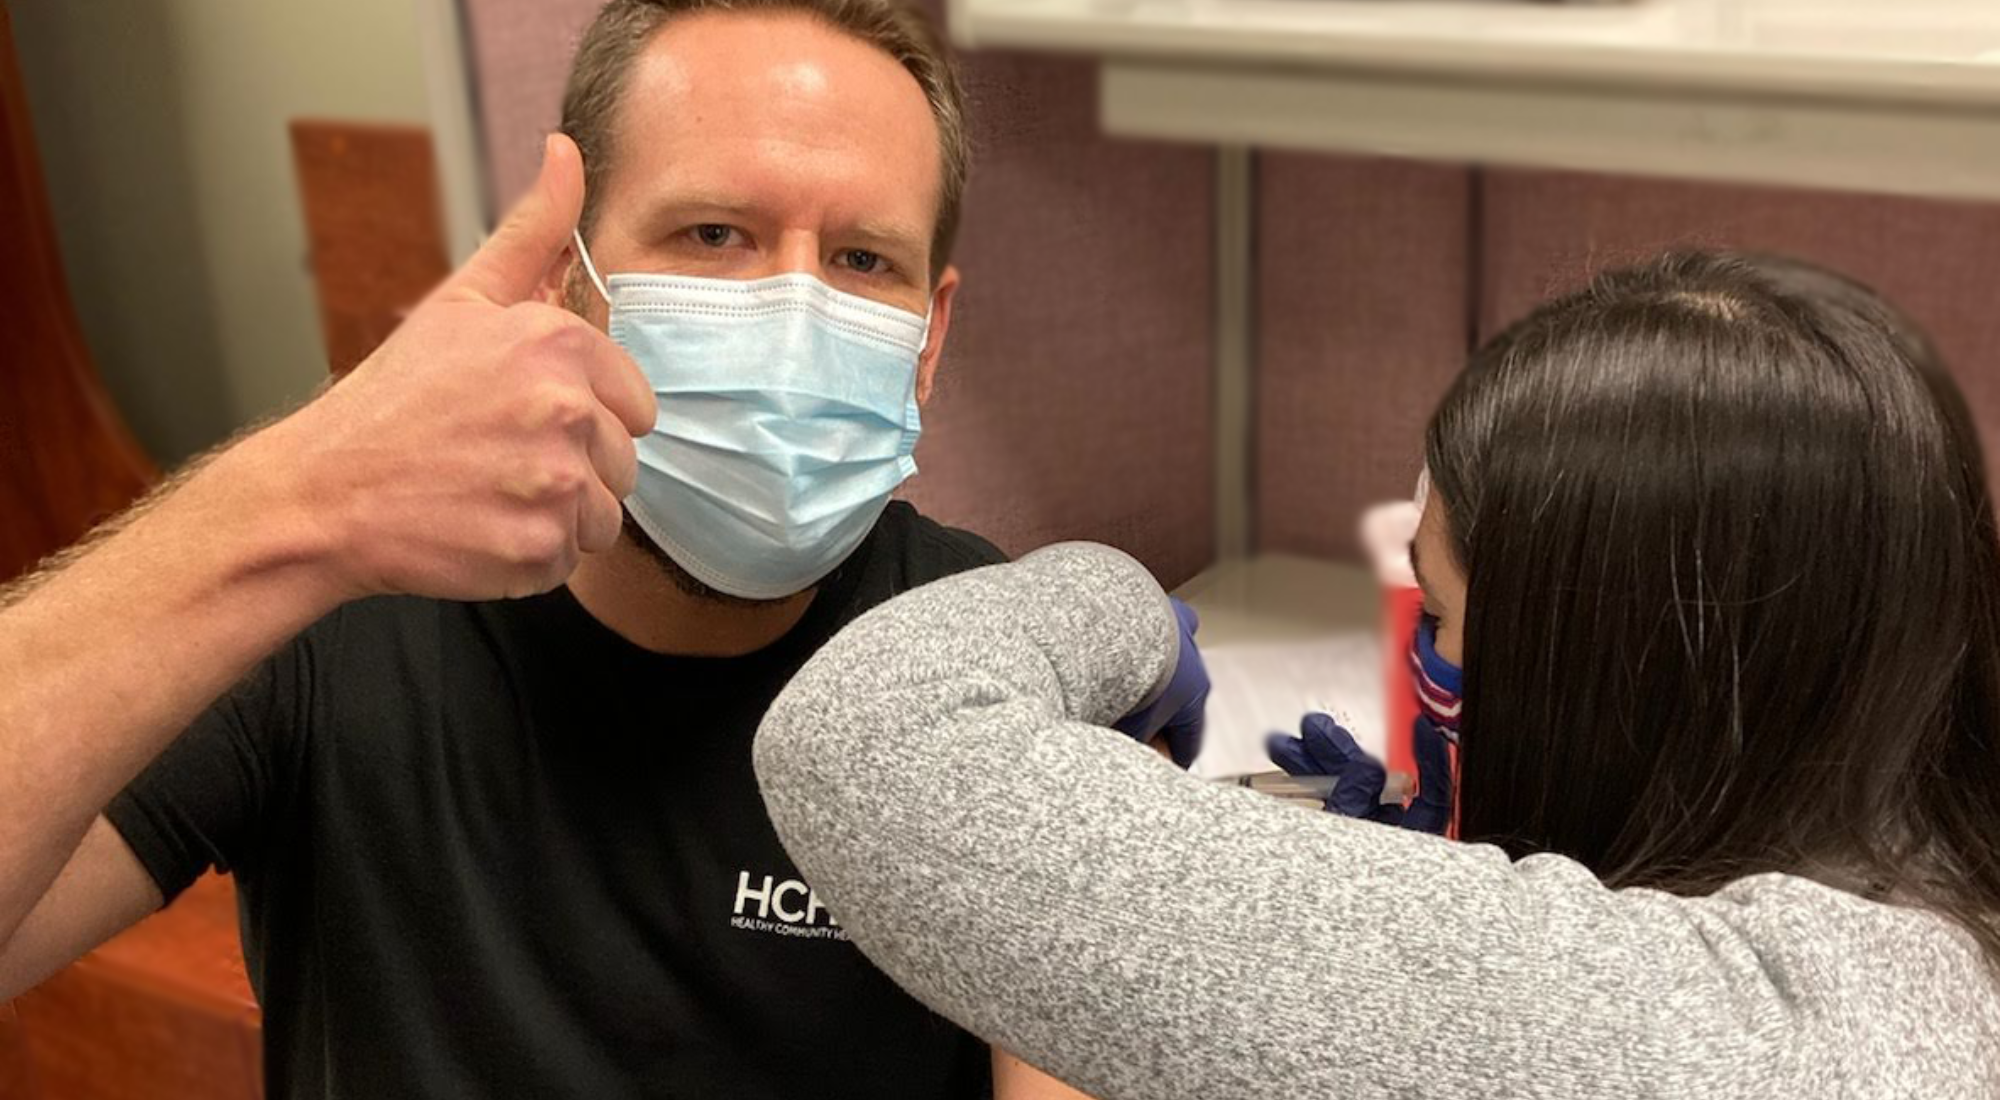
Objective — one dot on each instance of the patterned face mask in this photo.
(1438, 680)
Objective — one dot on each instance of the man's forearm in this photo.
(475, 455)
(111, 650)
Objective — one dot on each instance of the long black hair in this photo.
(1733, 590)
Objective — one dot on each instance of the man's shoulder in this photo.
(906, 550)
(930, 549)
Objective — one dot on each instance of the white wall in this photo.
(162, 126)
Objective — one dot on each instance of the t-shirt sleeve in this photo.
(974, 547)
(940, 551)
(213, 797)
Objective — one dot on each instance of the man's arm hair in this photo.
(475, 455)
(115, 644)
(20, 588)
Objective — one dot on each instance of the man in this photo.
(494, 846)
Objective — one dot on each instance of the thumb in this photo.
(510, 267)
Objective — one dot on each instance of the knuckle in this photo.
(538, 485)
(568, 481)
(560, 406)
(544, 338)
(535, 321)
(559, 335)
(601, 528)
(556, 482)
(624, 477)
(525, 330)
(570, 407)
(619, 449)
(539, 544)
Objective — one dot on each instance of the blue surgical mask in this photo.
(787, 416)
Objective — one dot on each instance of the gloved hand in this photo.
(1324, 748)
(1181, 710)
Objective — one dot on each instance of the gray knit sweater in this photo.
(942, 774)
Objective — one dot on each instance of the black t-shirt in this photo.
(496, 850)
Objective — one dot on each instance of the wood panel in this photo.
(66, 458)
(162, 1012)
(370, 195)
(156, 1012)
(16, 1076)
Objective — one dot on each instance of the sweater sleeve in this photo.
(942, 775)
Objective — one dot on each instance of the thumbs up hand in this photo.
(488, 442)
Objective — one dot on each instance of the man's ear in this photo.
(567, 286)
(555, 286)
(933, 353)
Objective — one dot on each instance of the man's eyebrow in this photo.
(673, 207)
(901, 239)
(890, 237)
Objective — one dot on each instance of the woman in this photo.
(1712, 542)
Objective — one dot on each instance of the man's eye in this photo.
(864, 261)
(714, 236)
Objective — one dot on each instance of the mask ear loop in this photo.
(583, 253)
(924, 343)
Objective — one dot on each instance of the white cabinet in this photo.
(1866, 95)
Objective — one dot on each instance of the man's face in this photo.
(749, 145)
(758, 144)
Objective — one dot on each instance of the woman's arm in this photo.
(941, 774)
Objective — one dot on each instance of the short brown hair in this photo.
(899, 28)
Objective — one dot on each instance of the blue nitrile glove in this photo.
(1180, 711)
(1324, 748)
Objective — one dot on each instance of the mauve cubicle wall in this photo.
(518, 54)
(1363, 315)
(1371, 273)
(1546, 232)
(1074, 401)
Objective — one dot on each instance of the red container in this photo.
(1386, 531)
(1401, 607)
